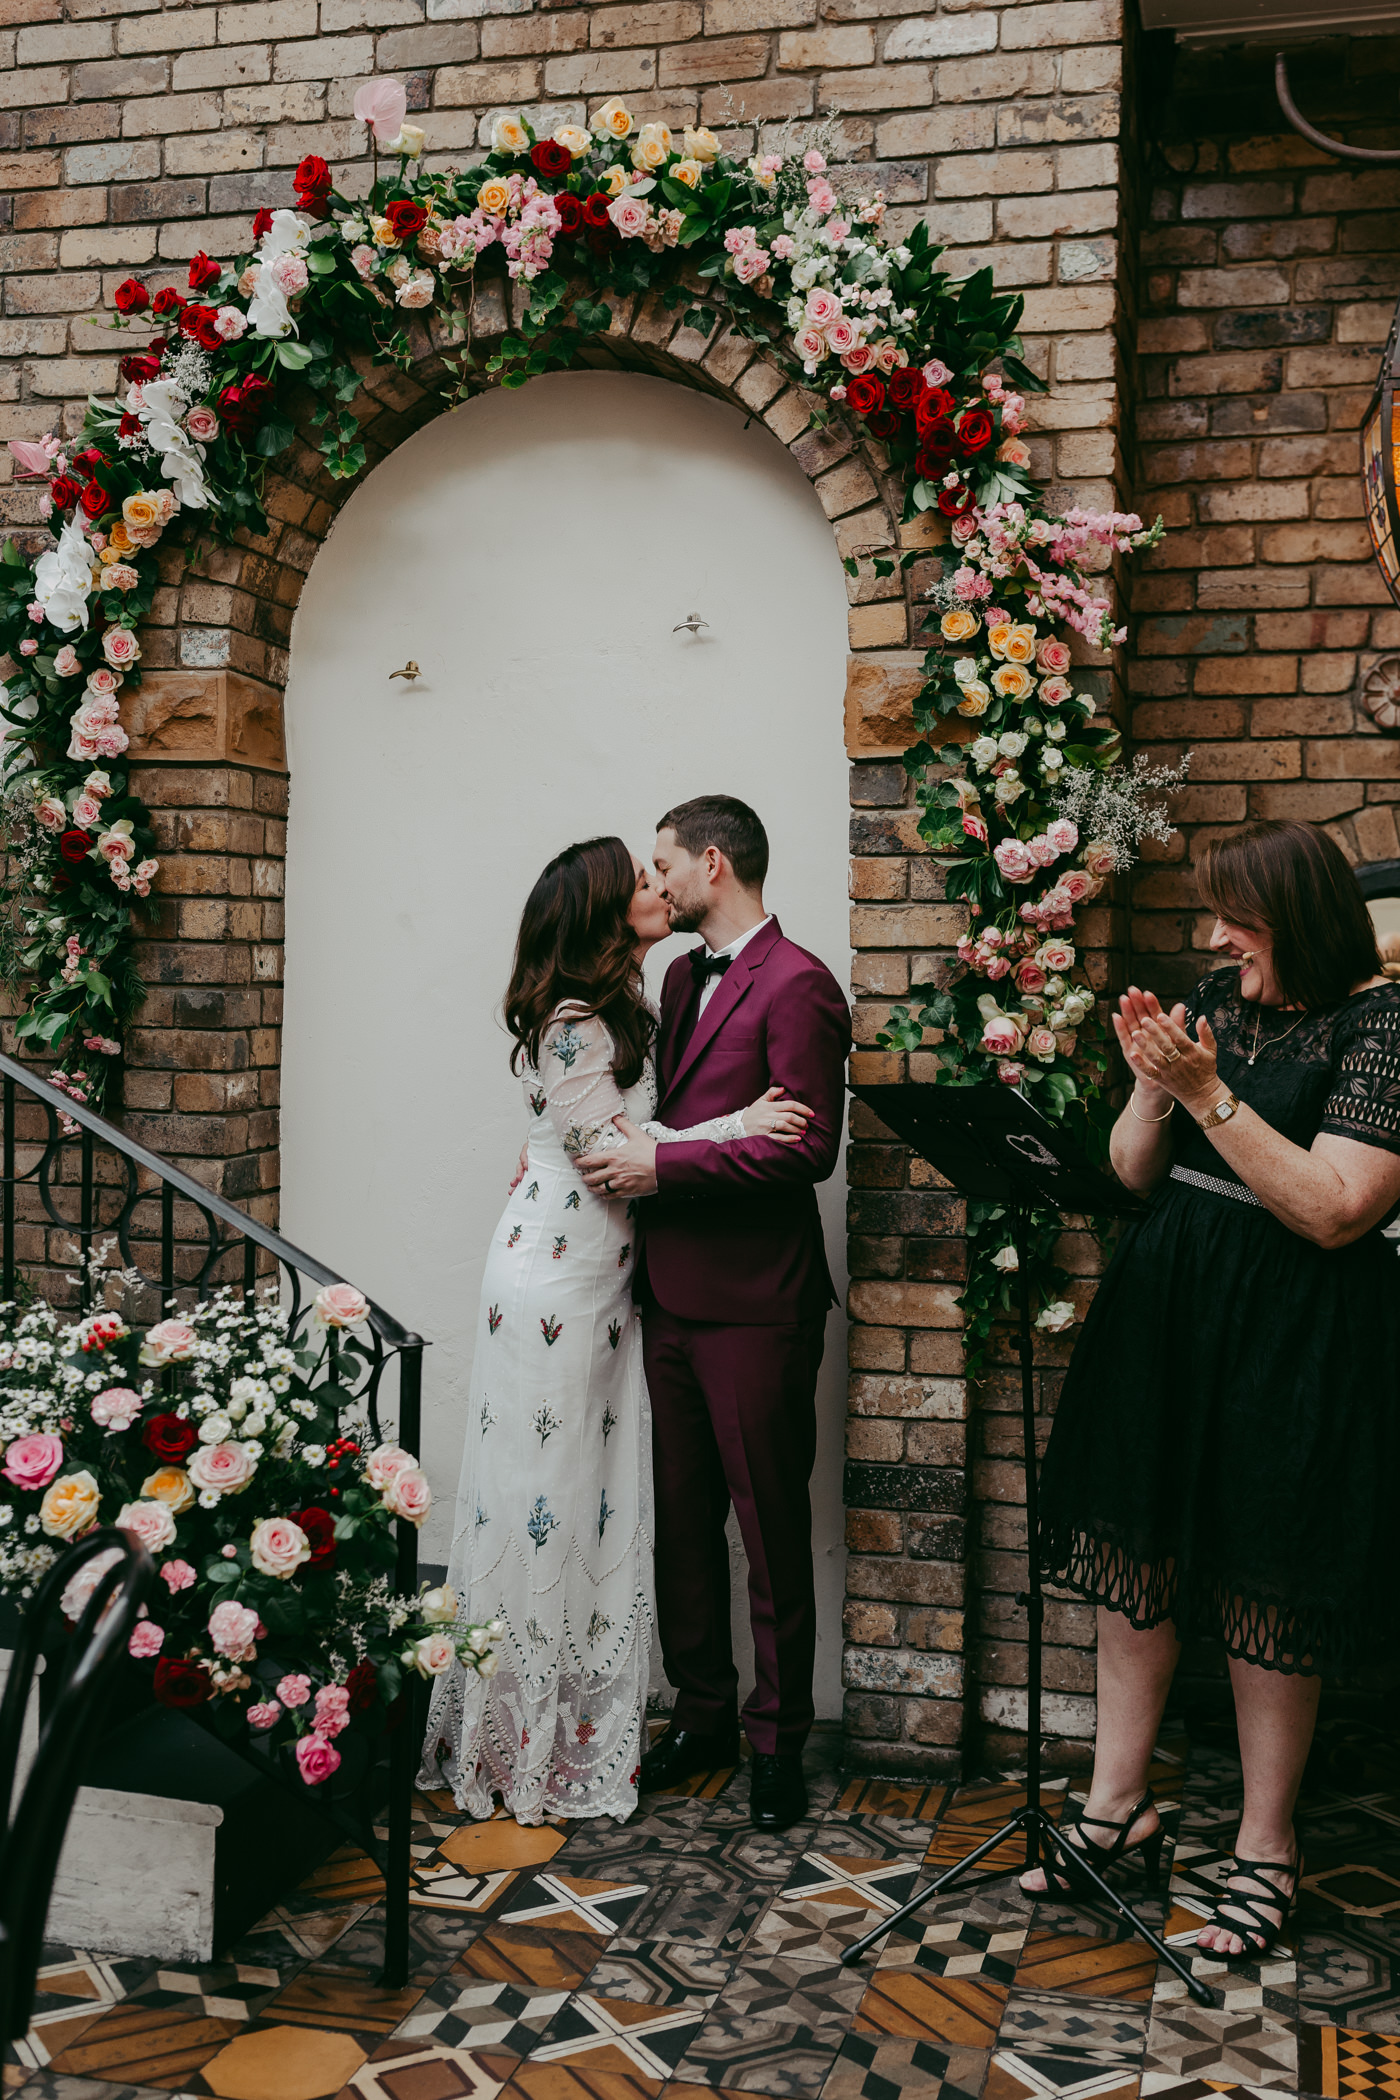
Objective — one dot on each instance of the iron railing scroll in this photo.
(72, 1181)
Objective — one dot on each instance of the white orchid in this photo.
(181, 460)
(268, 312)
(63, 579)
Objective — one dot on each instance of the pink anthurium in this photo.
(383, 105)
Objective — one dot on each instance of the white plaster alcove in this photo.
(532, 553)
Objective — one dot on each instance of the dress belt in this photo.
(1217, 1187)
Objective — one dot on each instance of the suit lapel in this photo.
(676, 995)
(728, 993)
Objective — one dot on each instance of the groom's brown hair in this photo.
(724, 822)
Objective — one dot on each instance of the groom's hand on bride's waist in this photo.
(627, 1170)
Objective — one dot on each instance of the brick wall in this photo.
(133, 134)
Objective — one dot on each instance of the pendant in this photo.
(1249, 1060)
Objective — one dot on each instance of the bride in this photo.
(553, 1532)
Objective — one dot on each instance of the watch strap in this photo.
(1221, 1113)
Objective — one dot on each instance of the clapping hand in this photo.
(1161, 1055)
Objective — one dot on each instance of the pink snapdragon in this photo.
(332, 1711)
(294, 1690)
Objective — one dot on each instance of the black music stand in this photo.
(994, 1146)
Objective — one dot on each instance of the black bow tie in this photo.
(705, 965)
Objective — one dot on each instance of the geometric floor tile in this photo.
(776, 2027)
(445, 1886)
(869, 1886)
(71, 1990)
(1094, 1967)
(906, 1799)
(1249, 2048)
(871, 2067)
(1110, 2030)
(962, 2012)
(534, 1957)
(467, 2012)
(222, 1991)
(956, 1947)
(578, 1906)
(347, 2004)
(616, 2034)
(402, 2070)
(482, 1848)
(1014, 2076)
(579, 2082)
(976, 1814)
(145, 2045)
(660, 1972)
(1345, 2063)
(283, 2063)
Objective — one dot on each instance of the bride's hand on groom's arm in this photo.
(628, 1170)
(772, 1116)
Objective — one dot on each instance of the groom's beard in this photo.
(685, 919)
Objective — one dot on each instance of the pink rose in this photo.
(66, 661)
(80, 1587)
(751, 264)
(1063, 835)
(146, 1639)
(29, 647)
(117, 1408)
(230, 323)
(975, 827)
(32, 1461)
(823, 308)
(279, 1548)
(936, 373)
(408, 1495)
(233, 1629)
(385, 1462)
(202, 425)
(841, 337)
(102, 681)
(52, 814)
(222, 1469)
(150, 1522)
(1056, 956)
(1052, 656)
(87, 812)
(1001, 1036)
(1041, 1043)
(294, 1690)
(999, 966)
(1013, 860)
(860, 359)
(177, 1575)
(1055, 691)
(967, 526)
(810, 344)
(1099, 857)
(316, 1758)
(168, 1342)
(266, 1715)
(340, 1305)
(1076, 885)
(1029, 976)
(630, 215)
(1010, 1074)
(119, 646)
(332, 1710)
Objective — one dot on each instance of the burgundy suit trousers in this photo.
(735, 1422)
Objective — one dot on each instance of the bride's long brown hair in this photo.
(575, 943)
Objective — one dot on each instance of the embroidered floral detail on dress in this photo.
(566, 1046)
(545, 1424)
(614, 1333)
(632, 1209)
(537, 1635)
(580, 1138)
(488, 1420)
(573, 1199)
(494, 1317)
(609, 1421)
(542, 1521)
(551, 1329)
(532, 1193)
(481, 1517)
(561, 1247)
(585, 1731)
(623, 1251)
(538, 1103)
(603, 1514)
(516, 1231)
(598, 1625)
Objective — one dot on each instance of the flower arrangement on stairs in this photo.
(792, 253)
(218, 1440)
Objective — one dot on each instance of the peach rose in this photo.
(1076, 885)
(1054, 691)
(1012, 453)
(1013, 682)
(53, 814)
(279, 1547)
(630, 216)
(1020, 645)
(508, 135)
(150, 1522)
(70, 1505)
(689, 172)
(385, 1462)
(976, 698)
(119, 540)
(494, 196)
(140, 513)
(170, 1485)
(168, 1342)
(959, 625)
(612, 121)
(701, 144)
(222, 1469)
(1040, 1043)
(997, 633)
(651, 146)
(1099, 857)
(408, 1495)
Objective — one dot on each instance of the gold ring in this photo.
(1172, 1056)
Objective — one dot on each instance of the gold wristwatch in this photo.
(1221, 1113)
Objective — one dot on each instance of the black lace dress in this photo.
(1227, 1445)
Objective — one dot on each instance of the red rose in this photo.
(64, 492)
(243, 404)
(88, 462)
(865, 393)
(192, 315)
(939, 439)
(595, 210)
(362, 1685)
(933, 405)
(884, 425)
(129, 427)
(180, 1684)
(204, 272)
(313, 186)
(570, 214)
(551, 158)
(406, 218)
(207, 335)
(953, 502)
(96, 500)
(75, 845)
(140, 366)
(169, 1437)
(262, 224)
(906, 387)
(166, 302)
(932, 465)
(131, 297)
(976, 430)
(319, 1526)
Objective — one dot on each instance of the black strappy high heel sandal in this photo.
(1259, 1933)
(1063, 1878)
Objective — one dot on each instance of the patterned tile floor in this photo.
(685, 1955)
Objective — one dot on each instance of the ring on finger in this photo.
(1172, 1056)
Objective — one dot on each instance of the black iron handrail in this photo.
(72, 1125)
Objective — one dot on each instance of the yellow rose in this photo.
(111, 553)
(764, 177)
(651, 146)
(121, 539)
(171, 1485)
(998, 636)
(975, 699)
(571, 137)
(701, 144)
(384, 234)
(959, 625)
(612, 121)
(494, 196)
(616, 181)
(71, 1503)
(1020, 645)
(689, 172)
(508, 135)
(141, 513)
(1013, 682)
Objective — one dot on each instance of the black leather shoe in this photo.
(777, 1792)
(680, 1752)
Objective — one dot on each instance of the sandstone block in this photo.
(232, 65)
(202, 717)
(722, 58)
(952, 36)
(880, 694)
(1070, 23)
(851, 45)
(877, 87)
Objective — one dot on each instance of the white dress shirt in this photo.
(707, 989)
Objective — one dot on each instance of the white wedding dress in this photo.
(554, 1512)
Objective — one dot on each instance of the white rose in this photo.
(965, 670)
(1006, 1258)
(488, 1665)
(1012, 744)
(214, 1429)
(1056, 1316)
(431, 1656)
(438, 1607)
(983, 751)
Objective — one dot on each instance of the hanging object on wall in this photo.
(1380, 692)
(1305, 130)
(410, 670)
(1380, 450)
(690, 625)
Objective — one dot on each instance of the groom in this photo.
(734, 1290)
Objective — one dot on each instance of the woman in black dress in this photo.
(1227, 1444)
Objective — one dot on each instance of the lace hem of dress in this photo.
(1295, 1640)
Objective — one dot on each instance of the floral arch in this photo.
(197, 500)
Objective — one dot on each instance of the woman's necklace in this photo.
(1259, 1023)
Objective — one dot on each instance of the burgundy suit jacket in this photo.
(733, 1233)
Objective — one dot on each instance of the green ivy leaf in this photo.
(295, 356)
